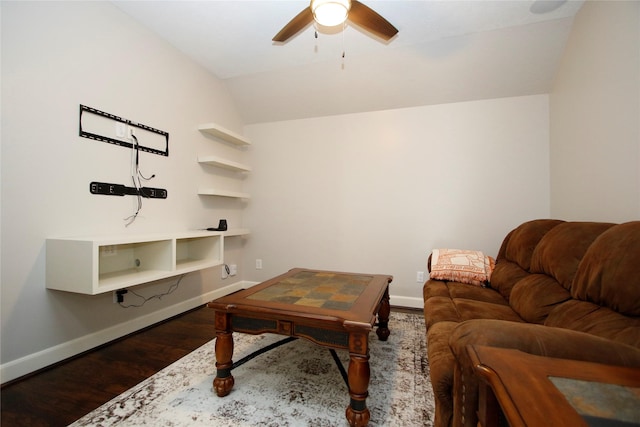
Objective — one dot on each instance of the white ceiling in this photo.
(445, 51)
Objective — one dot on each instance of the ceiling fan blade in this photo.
(371, 21)
(301, 20)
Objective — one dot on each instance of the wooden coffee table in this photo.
(530, 390)
(333, 309)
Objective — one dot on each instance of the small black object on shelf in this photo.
(222, 226)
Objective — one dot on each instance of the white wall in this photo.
(55, 56)
(376, 192)
(370, 192)
(595, 116)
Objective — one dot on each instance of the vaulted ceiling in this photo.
(445, 51)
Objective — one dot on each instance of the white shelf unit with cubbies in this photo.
(95, 265)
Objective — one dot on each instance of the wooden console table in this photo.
(541, 391)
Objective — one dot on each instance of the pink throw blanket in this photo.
(457, 265)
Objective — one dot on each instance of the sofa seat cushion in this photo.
(457, 302)
(594, 319)
(461, 290)
(444, 309)
(470, 309)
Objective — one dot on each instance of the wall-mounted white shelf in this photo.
(94, 265)
(236, 232)
(229, 136)
(224, 134)
(223, 193)
(223, 163)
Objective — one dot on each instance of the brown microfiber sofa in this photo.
(560, 289)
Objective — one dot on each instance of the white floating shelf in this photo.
(94, 265)
(223, 193)
(223, 163)
(224, 134)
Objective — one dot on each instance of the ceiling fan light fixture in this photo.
(330, 12)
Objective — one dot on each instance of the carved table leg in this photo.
(358, 375)
(223, 382)
(383, 331)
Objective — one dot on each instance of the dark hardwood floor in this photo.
(60, 395)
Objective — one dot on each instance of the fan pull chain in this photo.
(344, 29)
(315, 34)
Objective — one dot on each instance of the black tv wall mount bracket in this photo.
(92, 127)
(97, 125)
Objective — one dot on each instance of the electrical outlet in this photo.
(121, 129)
(258, 264)
(420, 277)
(130, 132)
(109, 250)
(233, 270)
(223, 272)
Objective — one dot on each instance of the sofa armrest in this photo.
(531, 338)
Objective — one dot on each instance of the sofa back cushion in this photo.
(560, 251)
(553, 265)
(524, 240)
(535, 296)
(514, 258)
(609, 273)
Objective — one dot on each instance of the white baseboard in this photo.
(409, 302)
(33, 362)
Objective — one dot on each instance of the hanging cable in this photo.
(135, 178)
(144, 299)
(135, 153)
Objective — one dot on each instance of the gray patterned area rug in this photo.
(296, 384)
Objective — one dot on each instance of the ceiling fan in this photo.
(330, 13)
